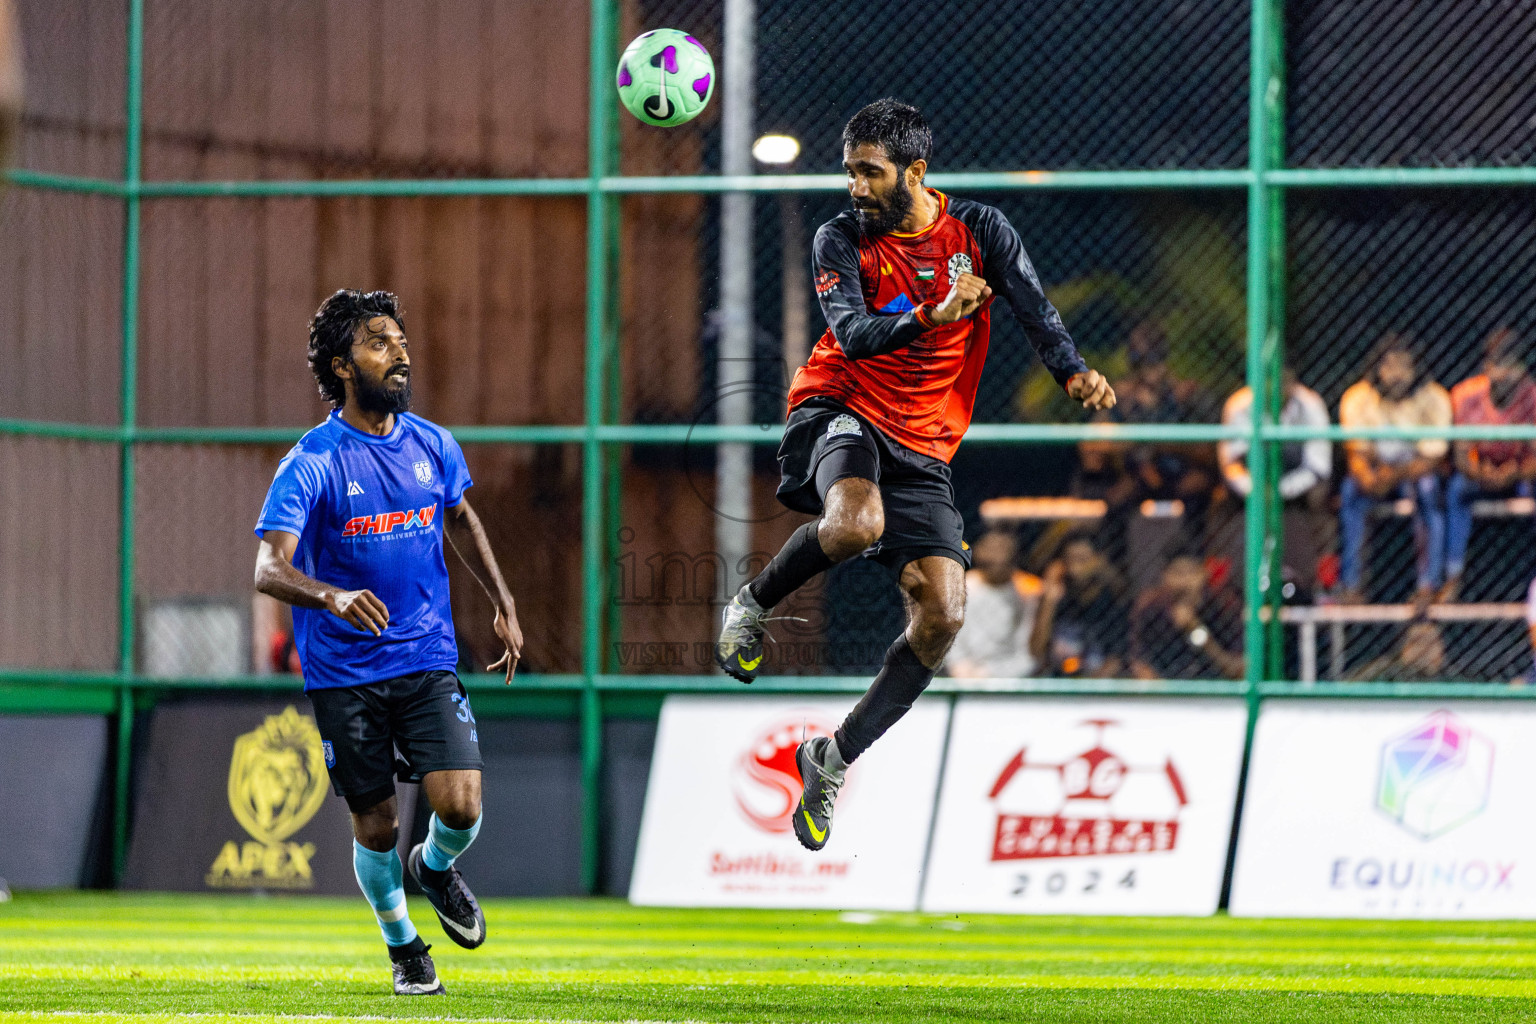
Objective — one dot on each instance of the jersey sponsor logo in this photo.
(423, 472)
(826, 281)
(354, 489)
(844, 424)
(385, 522)
(900, 304)
(276, 785)
(959, 264)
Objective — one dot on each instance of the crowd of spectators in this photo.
(1085, 614)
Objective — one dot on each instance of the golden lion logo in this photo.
(276, 784)
(277, 776)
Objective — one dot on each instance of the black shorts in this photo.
(825, 442)
(424, 715)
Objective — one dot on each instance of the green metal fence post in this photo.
(1264, 112)
(1273, 354)
(593, 510)
(132, 174)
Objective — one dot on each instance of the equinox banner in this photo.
(1083, 806)
(1389, 809)
(716, 830)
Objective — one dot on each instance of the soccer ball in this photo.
(666, 77)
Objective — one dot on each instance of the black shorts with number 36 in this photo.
(425, 715)
(825, 442)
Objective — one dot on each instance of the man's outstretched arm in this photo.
(467, 536)
(277, 576)
(1011, 274)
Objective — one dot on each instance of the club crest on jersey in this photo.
(959, 264)
(423, 473)
(844, 424)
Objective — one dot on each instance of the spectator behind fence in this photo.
(1184, 629)
(1502, 394)
(1081, 627)
(1305, 466)
(1419, 658)
(1393, 394)
(1530, 628)
(1000, 606)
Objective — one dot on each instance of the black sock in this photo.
(899, 683)
(413, 948)
(798, 560)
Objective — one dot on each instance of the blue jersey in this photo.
(368, 512)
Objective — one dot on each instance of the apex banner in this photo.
(1118, 806)
(1389, 809)
(233, 794)
(716, 826)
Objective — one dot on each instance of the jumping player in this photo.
(905, 281)
(352, 536)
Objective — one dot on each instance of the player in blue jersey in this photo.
(352, 536)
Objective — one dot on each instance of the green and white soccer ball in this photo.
(666, 77)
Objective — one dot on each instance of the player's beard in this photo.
(887, 216)
(384, 396)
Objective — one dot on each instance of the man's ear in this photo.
(341, 367)
(915, 172)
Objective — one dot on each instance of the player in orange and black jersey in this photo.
(906, 282)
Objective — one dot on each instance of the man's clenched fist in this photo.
(1091, 389)
(965, 297)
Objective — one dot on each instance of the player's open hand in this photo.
(965, 297)
(361, 608)
(1092, 389)
(511, 635)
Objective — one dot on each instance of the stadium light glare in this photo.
(777, 150)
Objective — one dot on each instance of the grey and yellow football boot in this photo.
(822, 773)
(739, 651)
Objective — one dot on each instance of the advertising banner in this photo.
(234, 795)
(716, 826)
(50, 831)
(1084, 806)
(1389, 809)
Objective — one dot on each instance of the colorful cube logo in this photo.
(1435, 776)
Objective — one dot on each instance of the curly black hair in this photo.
(896, 127)
(333, 329)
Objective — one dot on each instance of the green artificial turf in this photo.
(149, 959)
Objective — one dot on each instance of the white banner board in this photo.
(1086, 806)
(1389, 809)
(716, 827)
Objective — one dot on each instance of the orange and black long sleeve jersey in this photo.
(883, 358)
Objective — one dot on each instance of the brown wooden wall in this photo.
(493, 288)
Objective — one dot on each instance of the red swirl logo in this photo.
(766, 781)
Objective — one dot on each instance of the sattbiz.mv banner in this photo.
(716, 828)
(1389, 809)
(1086, 806)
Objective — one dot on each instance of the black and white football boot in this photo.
(458, 910)
(415, 974)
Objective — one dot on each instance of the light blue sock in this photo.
(382, 880)
(444, 844)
